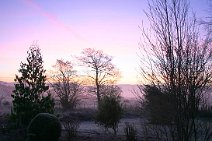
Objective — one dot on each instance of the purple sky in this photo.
(63, 28)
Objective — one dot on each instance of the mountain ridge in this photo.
(128, 90)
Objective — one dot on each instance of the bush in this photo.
(71, 125)
(109, 112)
(44, 127)
(159, 105)
(205, 112)
(130, 132)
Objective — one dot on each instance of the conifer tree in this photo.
(30, 87)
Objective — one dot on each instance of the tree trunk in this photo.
(97, 88)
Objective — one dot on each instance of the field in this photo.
(85, 112)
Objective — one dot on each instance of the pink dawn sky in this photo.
(63, 28)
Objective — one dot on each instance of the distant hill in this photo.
(6, 90)
(128, 90)
(5, 97)
(86, 100)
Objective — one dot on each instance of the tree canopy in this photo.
(101, 69)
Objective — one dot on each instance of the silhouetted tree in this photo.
(66, 85)
(29, 95)
(177, 60)
(102, 71)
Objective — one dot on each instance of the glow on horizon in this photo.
(64, 28)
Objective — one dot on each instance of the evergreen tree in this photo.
(110, 109)
(28, 96)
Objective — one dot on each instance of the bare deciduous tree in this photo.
(177, 60)
(102, 71)
(65, 84)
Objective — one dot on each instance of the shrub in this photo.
(205, 112)
(71, 125)
(130, 132)
(44, 127)
(109, 112)
(159, 105)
